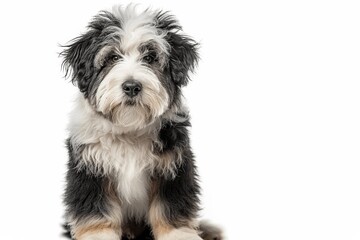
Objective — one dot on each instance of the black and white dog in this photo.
(131, 172)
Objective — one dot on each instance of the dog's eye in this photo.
(149, 59)
(115, 58)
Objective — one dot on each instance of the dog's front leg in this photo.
(92, 209)
(92, 214)
(174, 206)
(165, 229)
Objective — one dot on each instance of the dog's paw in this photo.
(209, 231)
(106, 234)
(181, 234)
(215, 236)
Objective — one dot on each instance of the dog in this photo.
(131, 171)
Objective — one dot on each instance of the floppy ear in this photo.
(183, 57)
(183, 50)
(79, 59)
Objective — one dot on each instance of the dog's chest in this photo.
(128, 162)
(132, 178)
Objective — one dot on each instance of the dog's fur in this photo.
(131, 171)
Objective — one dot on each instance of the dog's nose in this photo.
(131, 88)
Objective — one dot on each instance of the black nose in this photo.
(131, 88)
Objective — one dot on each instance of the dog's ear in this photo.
(183, 52)
(79, 59)
(183, 57)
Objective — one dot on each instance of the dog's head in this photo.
(131, 65)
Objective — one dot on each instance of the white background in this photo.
(275, 111)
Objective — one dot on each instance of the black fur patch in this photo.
(180, 194)
(84, 195)
(174, 135)
(184, 50)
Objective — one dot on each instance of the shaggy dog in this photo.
(131, 171)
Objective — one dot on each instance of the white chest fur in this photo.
(131, 170)
(128, 162)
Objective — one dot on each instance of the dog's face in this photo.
(130, 66)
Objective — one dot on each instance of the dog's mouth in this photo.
(131, 114)
(130, 102)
